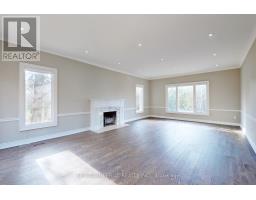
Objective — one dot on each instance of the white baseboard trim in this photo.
(137, 118)
(71, 132)
(253, 145)
(41, 138)
(197, 120)
(6, 145)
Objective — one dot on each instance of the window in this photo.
(38, 97)
(139, 99)
(188, 98)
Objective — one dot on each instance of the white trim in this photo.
(73, 114)
(217, 69)
(141, 87)
(158, 107)
(253, 145)
(71, 132)
(93, 64)
(193, 84)
(36, 68)
(41, 138)
(52, 136)
(127, 109)
(139, 76)
(136, 118)
(11, 119)
(224, 110)
(197, 120)
(213, 109)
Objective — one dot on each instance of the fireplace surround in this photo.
(101, 106)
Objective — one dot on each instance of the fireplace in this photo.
(106, 114)
(109, 118)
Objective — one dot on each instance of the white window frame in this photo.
(35, 68)
(140, 86)
(194, 97)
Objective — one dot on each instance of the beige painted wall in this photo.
(77, 84)
(248, 95)
(224, 92)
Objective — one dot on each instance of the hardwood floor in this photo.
(150, 151)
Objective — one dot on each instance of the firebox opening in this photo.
(109, 118)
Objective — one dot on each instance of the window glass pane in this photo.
(38, 97)
(139, 99)
(201, 98)
(171, 99)
(185, 98)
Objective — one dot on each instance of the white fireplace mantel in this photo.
(99, 106)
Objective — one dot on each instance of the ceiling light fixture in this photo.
(86, 51)
(118, 63)
(139, 45)
(214, 54)
(162, 59)
(210, 35)
(217, 65)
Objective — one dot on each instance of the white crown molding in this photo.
(138, 76)
(92, 63)
(248, 47)
(194, 73)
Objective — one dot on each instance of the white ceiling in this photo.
(181, 41)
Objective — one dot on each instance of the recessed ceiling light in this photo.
(139, 45)
(162, 59)
(118, 63)
(86, 51)
(217, 65)
(210, 35)
(214, 54)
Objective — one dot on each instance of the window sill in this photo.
(37, 126)
(188, 113)
(139, 112)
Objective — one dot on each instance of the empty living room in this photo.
(128, 99)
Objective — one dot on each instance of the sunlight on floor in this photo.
(228, 130)
(67, 168)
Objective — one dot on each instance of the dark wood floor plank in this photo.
(150, 151)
